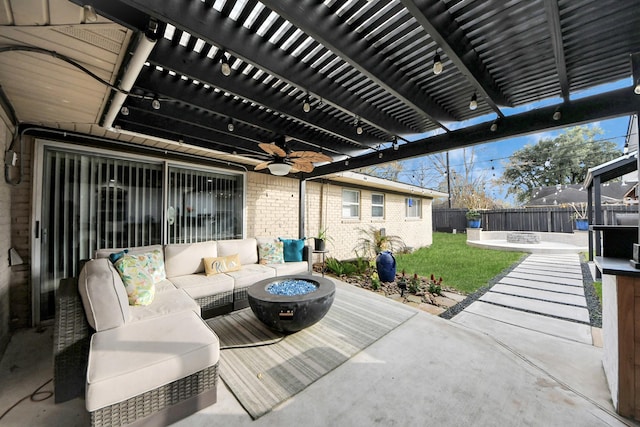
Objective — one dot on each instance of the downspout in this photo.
(146, 42)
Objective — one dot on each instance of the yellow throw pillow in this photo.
(216, 265)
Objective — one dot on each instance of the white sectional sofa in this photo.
(159, 361)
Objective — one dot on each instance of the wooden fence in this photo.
(547, 219)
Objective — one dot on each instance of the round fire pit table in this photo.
(291, 303)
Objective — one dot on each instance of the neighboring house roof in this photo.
(611, 192)
(368, 181)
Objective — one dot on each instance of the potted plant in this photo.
(377, 243)
(473, 218)
(579, 216)
(320, 240)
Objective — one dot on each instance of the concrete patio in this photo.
(429, 371)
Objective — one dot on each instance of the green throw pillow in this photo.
(292, 249)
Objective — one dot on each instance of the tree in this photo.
(562, 160)
(466, 183)
(390, 171)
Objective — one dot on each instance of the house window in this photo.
(350, 204)
(377, 206)
(413, 207)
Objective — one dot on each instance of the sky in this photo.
(491, 157)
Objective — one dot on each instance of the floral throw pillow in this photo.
(217, 265)
(271, 253)
(138, 280)
(155, 264)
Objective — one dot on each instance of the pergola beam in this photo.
(193, 65)
(553, 17)
(434, 17)
(330, 30)
(174, 88)
(586, 110)
(214, 28)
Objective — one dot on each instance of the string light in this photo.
(437, 64)
(225, 68)
(306, 105)
(473, 104)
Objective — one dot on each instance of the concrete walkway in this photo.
(544, 294)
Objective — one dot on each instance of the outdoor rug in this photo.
(275, 368)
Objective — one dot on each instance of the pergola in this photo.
(366, 69)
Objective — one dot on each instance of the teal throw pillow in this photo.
(292, 249)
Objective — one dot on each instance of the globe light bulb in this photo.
(437, 64)
(473, 104)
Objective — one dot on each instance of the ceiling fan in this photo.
(285, 161)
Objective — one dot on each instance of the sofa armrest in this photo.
(307, 256)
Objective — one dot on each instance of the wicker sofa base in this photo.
(215, 305)
(163, 405)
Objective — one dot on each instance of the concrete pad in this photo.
(547, 278)
(542, 307)
(536, 284)
(542, 247)
(575, 273)
(571, 267)
(547, 325)
(567, 361)
(452, 377)
(540, 294)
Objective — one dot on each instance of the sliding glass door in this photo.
(91, 202)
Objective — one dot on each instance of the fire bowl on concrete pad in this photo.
(280, 303)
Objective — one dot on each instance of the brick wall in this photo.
(272, 206)
(20, 239)
(5, 240)
(324, 210)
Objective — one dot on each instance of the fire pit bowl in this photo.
(291, 303)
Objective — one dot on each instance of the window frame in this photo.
(380, 205)
(349, 204)
(408, 210)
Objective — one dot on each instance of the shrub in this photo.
(414, 283)
(435, 286)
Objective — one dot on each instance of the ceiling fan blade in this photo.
(302, 165)
(310, 156)
(272, 149)
(261, 166)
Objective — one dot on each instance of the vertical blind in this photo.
(91, 202)
(204, 205)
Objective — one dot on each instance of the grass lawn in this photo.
(598, 288)
(462, 267)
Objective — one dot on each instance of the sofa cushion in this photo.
(217, 265)
(199, 285)
(250, 274)
(186, 258)
(247, 249)
(289, 268)
(271, 252)
(137, 278)
(141, 356)
(164, 302)
(103, 295)
(292, 249)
